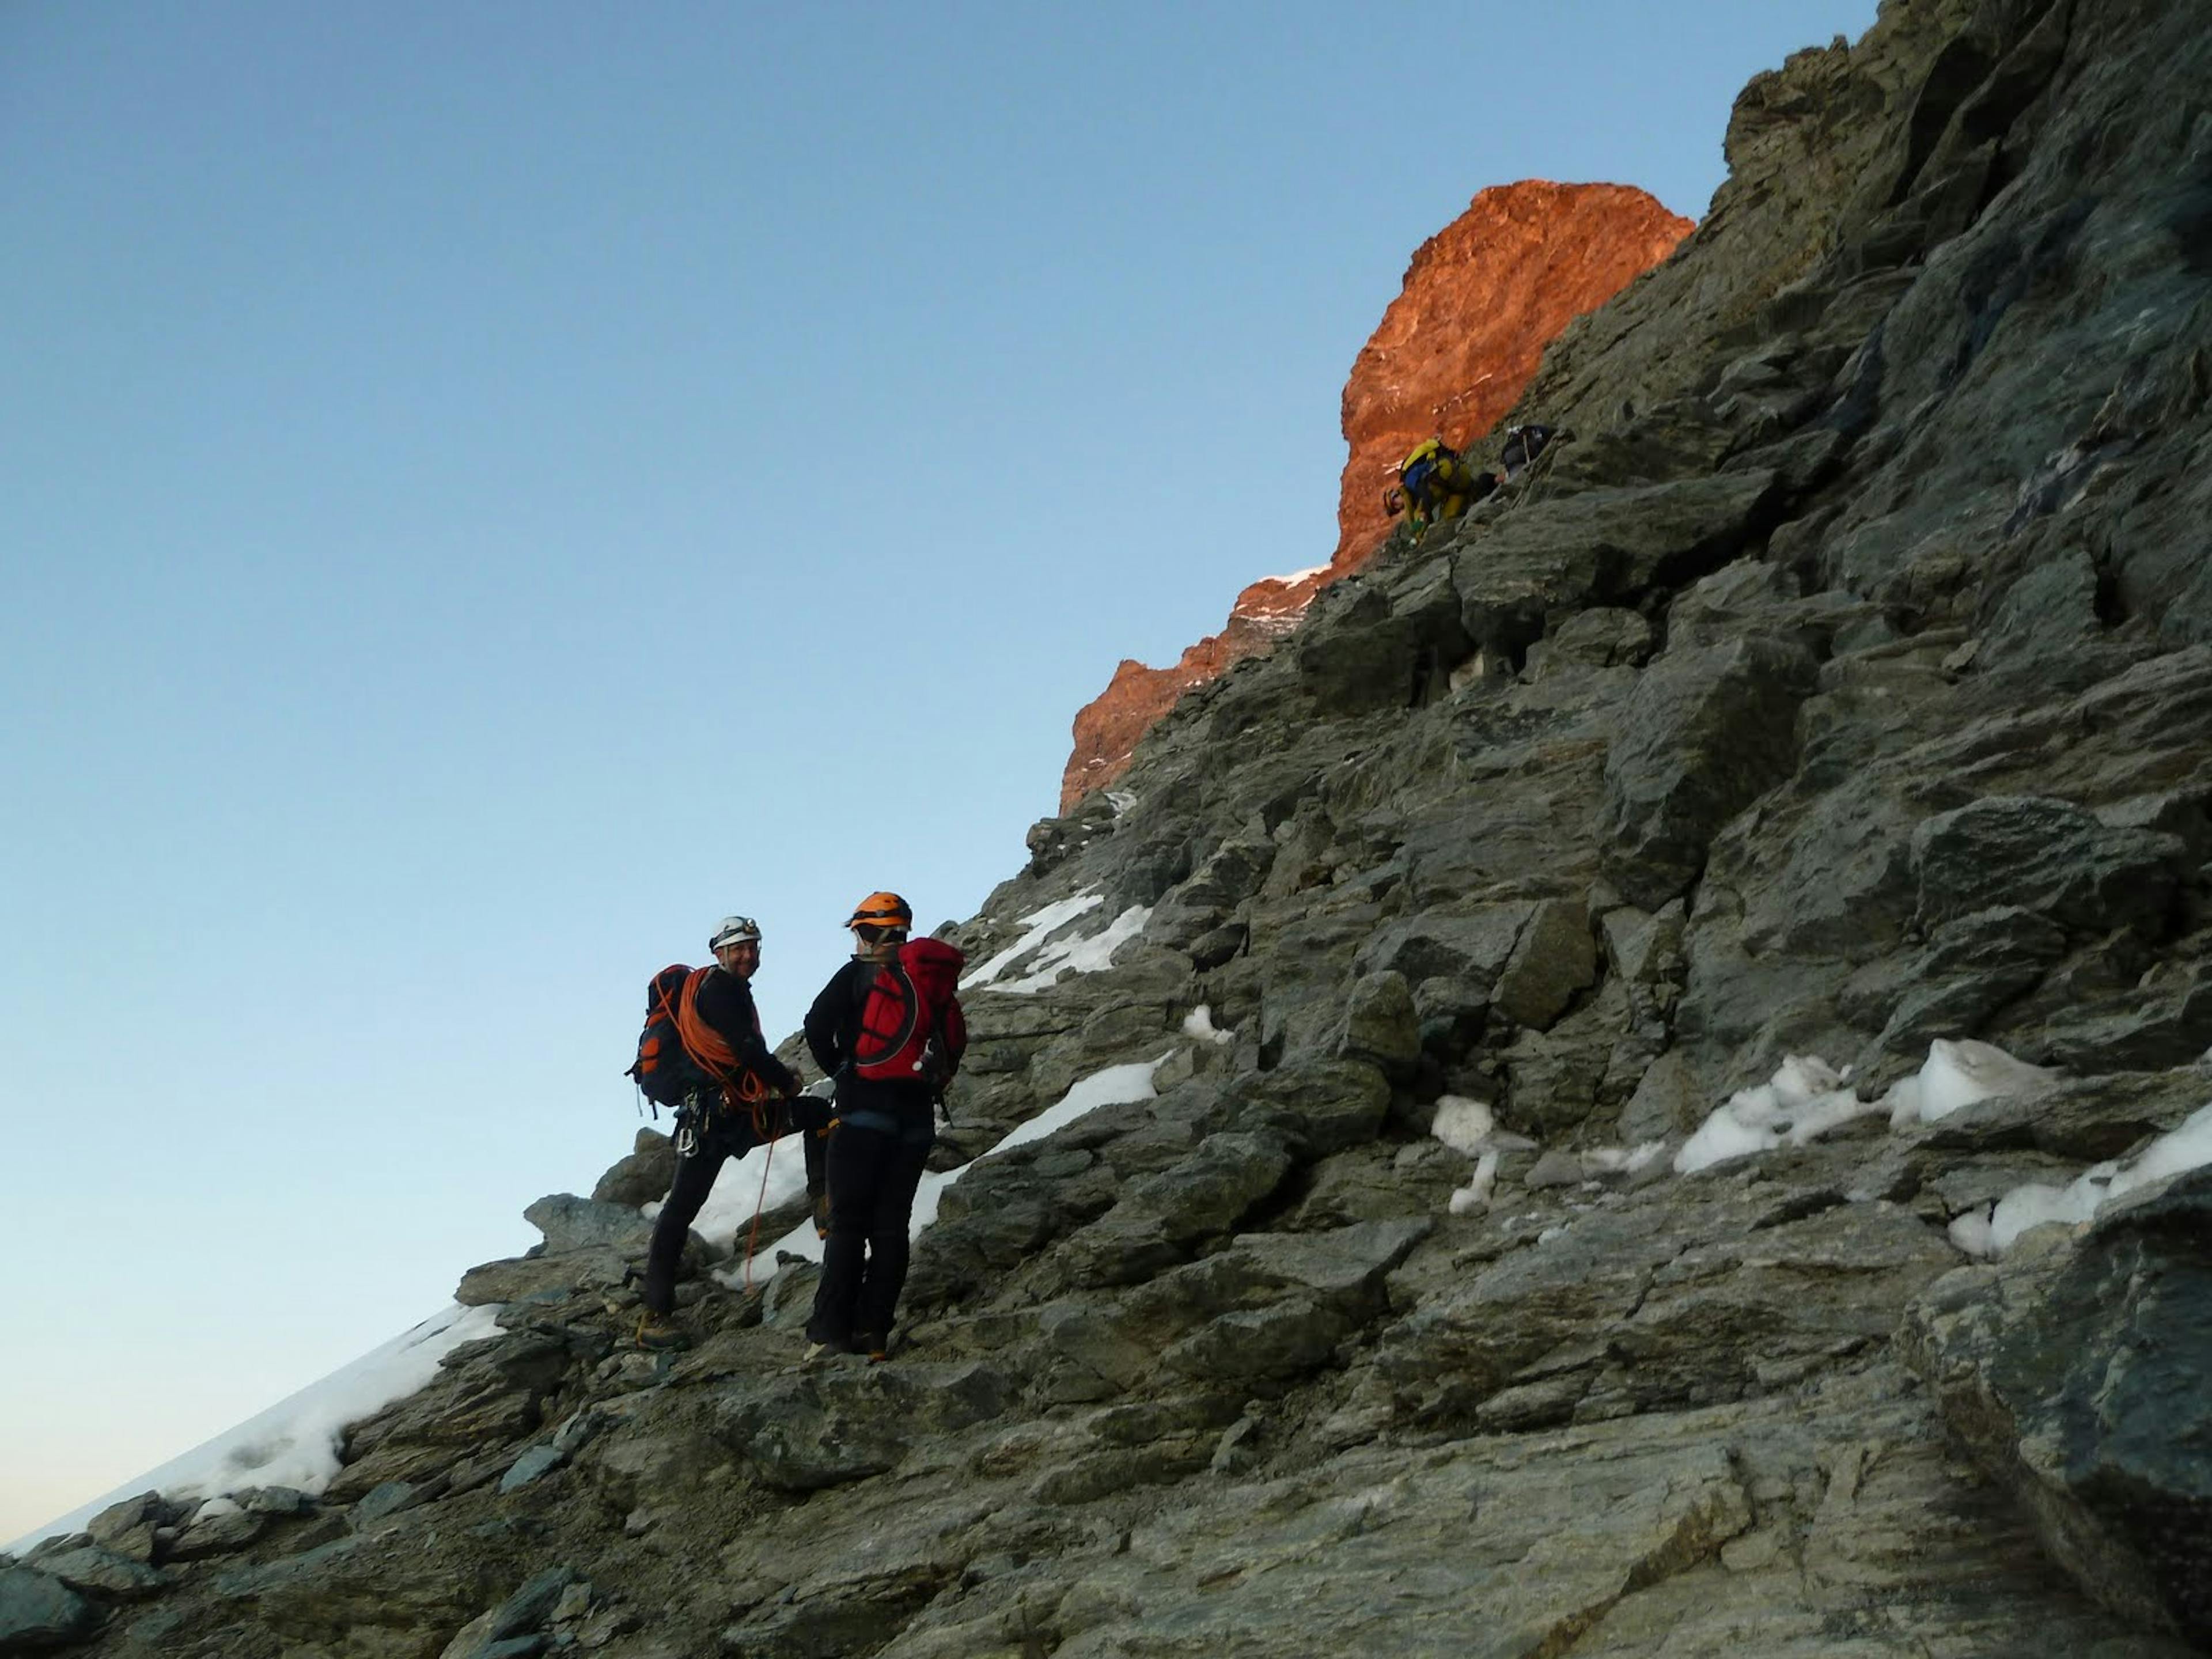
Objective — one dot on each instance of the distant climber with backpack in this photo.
(732, 1092)
(888, 1026)
(1523, 444)
(1434, 483)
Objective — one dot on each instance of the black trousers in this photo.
(695, 1179)
(875, 1166)
(809, 1121)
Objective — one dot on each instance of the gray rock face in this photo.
(1472, 949)
(1164, 1214)
(641, 1177)
(848, 1421)
(357, 1591)
(94, 1569)
(2076, 1376)
(534, 1464)
(217, 1534)
(1705, 733)
(571, 1223)
(1311, 1109)
(39, 1611)
(1381, 1024)
(1554, 959)
(1597, 549)
(2047, 857)
(127, 1528)
(514, 1629)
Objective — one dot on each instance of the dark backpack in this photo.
(912, 1030)
(1420, 478)
(665, 1073)
(1523, 444)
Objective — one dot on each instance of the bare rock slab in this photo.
(2076, 1375)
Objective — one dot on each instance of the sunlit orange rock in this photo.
(1108, 728)
(1482, 299)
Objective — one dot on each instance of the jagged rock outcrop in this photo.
(1853, 693)
(1481, 300)
(1106, 728)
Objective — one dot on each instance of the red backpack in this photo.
(912, 1030)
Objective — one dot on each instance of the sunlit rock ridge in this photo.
(1637, 1085)
(1481, 300)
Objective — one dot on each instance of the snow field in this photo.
(1089, 954)
(1083, 956)
(295, 1442)
(1036, 926)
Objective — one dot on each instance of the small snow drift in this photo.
(1803, 1101)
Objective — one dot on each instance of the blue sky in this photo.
(491, 489)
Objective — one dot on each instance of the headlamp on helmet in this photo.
(734, 930)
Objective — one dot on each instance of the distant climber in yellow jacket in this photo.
(1434, 483)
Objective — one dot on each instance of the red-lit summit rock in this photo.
(1482, 299)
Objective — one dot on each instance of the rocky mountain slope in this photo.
(1481, 300)
(1843, 686)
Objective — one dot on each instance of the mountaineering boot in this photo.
(816, 1350)
(876, 1347)
(657, 1333)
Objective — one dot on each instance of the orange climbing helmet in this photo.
(881, 910)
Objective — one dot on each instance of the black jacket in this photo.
(725, 1002)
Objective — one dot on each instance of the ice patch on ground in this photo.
(1198, 1023)
(1615, 1160)
(1808, 1098)
(1971, 1232)
(1476, 1193)
(1958, 1072)
(1470, 1127)
(1090, 955)
(1036, 926)
(1803, 1100)
(1463, 1125)
(1993, 1230)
